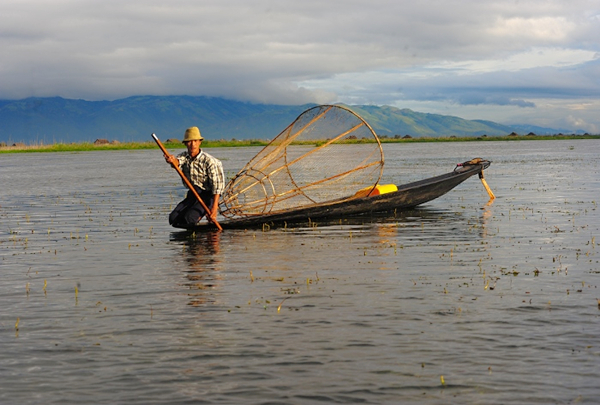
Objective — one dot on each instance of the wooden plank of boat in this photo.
(407, 197)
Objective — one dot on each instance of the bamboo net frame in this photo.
(310, 163)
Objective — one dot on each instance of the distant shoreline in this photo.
(115, 145)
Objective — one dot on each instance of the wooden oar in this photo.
(478, 161)
(487, 188)
(189, 184)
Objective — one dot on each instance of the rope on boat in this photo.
(473, 162)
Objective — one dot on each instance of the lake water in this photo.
(456, 302)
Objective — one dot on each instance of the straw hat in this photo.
(192, 134)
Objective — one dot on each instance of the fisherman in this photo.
(205, 172)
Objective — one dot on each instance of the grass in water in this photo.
(89, 146)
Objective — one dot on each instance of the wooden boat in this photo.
(327, 164)
(407, 197)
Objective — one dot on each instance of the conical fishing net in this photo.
(327, 154)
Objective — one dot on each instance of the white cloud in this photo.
(456, 53)
(551, 28)
(532, 58)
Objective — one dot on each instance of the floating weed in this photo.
(280, 304)
(251, 277)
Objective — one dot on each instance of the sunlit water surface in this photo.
(457, 302)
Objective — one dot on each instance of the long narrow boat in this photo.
(327, 164)
(406, 197)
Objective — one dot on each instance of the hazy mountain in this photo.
(56, 119)
(391, 121)
(524, 129)
(135, 118)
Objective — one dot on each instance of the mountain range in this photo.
(55, 119)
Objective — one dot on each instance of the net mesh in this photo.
(328, 153)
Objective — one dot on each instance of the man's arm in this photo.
(214, 210)
(218, 184)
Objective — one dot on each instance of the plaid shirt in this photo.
(205, 171)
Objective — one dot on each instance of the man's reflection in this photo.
(203, 273)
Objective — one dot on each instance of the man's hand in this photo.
(172, 160)
(213, 215)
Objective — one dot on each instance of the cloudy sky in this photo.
(513, 61)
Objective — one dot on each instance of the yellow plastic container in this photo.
(378, 190)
